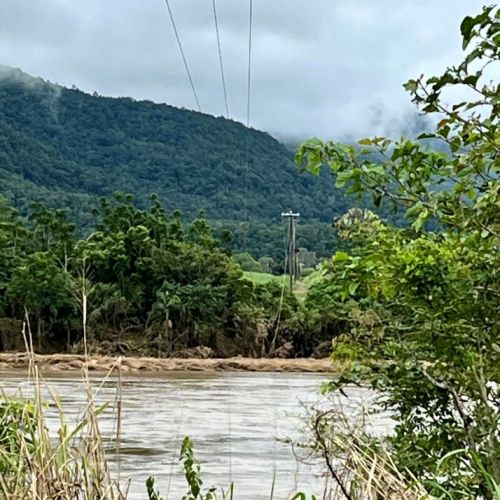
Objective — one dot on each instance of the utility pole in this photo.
(293, 265)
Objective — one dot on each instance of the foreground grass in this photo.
(35, 466)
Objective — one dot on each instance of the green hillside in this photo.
(66, 148)
(65, 139)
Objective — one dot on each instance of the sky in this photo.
(326, 68)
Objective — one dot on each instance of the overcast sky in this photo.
(331, 68)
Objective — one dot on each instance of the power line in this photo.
(220, 58)
(249, 74)
(249, 80)
(183, 55)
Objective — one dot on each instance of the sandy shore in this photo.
(74, 362)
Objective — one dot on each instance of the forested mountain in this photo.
(66, 148)
(63, 139)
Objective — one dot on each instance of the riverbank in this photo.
(75, 362)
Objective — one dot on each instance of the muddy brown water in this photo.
(238, 422)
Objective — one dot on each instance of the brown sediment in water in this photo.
(74, 362)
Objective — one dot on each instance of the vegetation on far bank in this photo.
(262, 278)
(149, 281)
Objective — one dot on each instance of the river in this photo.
(238, 422)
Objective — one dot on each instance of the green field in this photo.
(262, 278)
(300, 288)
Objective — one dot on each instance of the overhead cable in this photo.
(247, 145)
(249, 74)
(183, 55)
(220, 58)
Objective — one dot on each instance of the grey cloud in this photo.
(324, 67)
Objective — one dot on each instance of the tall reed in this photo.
(37, 466)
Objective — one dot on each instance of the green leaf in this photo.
(411, 85)
(341, 256)
(343, 178)
(421, 219)
(466, 28)
(472, 79)
(365, 142)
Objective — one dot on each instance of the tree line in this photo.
(144, 275)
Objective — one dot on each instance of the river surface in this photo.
(239, 423)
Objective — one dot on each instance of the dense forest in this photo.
(67, 140)
(148, 283)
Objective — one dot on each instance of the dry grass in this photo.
(36, 466)
(359, 466)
